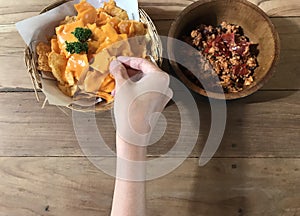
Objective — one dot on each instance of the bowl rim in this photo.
(210, 94)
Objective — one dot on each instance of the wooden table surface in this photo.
(255, 172)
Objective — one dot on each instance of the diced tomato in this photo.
(240, 70)
(228, 38)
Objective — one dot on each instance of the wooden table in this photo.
(255, 172)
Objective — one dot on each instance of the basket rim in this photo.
(36, 76)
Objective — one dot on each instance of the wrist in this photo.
(139, 124)
(129, 151)
(131, 161)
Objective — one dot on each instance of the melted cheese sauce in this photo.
(77, 64)
(64, 33)
(86, 12)
(108, 25)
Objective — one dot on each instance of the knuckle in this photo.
(165, 77)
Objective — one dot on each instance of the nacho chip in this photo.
(106, 96)
(108, 84)
(112, 9)
(43, 48)
(58, 64)
(43, 51)
(68, 19)
(64, 33)
(77, 64)
(68, 90)
(86, 12)
(54, 45)
(103, 18)
(132, 28)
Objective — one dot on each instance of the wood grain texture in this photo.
(169, 9)
(163, 9)
(255, 172)
(74, 187)
(263, 125)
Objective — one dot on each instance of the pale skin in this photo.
(132, 117)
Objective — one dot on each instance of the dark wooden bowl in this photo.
(256, 24)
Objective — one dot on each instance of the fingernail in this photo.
(113, 92)
(114, 63)
(113, 66)
(123, 58)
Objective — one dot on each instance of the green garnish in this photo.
(82, 34)
(77, 47)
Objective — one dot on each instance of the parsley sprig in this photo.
(80, 46)
(77, 47)
(82, 34)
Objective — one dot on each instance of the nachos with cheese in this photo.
(95, 35)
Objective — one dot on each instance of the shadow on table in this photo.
(286, 76)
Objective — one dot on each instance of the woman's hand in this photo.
(142, 91)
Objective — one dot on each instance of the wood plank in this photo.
(29, 185)
(221, 189)
(265, 124)
(286, 76)
(73, 186)
(13, 11)
(273, 8)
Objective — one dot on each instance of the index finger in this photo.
(139, 64)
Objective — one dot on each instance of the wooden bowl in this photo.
(256, 25)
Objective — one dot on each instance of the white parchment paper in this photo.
(42, 28)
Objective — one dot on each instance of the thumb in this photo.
(119, 72)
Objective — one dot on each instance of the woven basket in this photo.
(35, 74)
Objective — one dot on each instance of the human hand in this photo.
(142, 91)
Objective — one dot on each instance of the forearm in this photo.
(129, 193)
(140, 99)
(129, 199)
